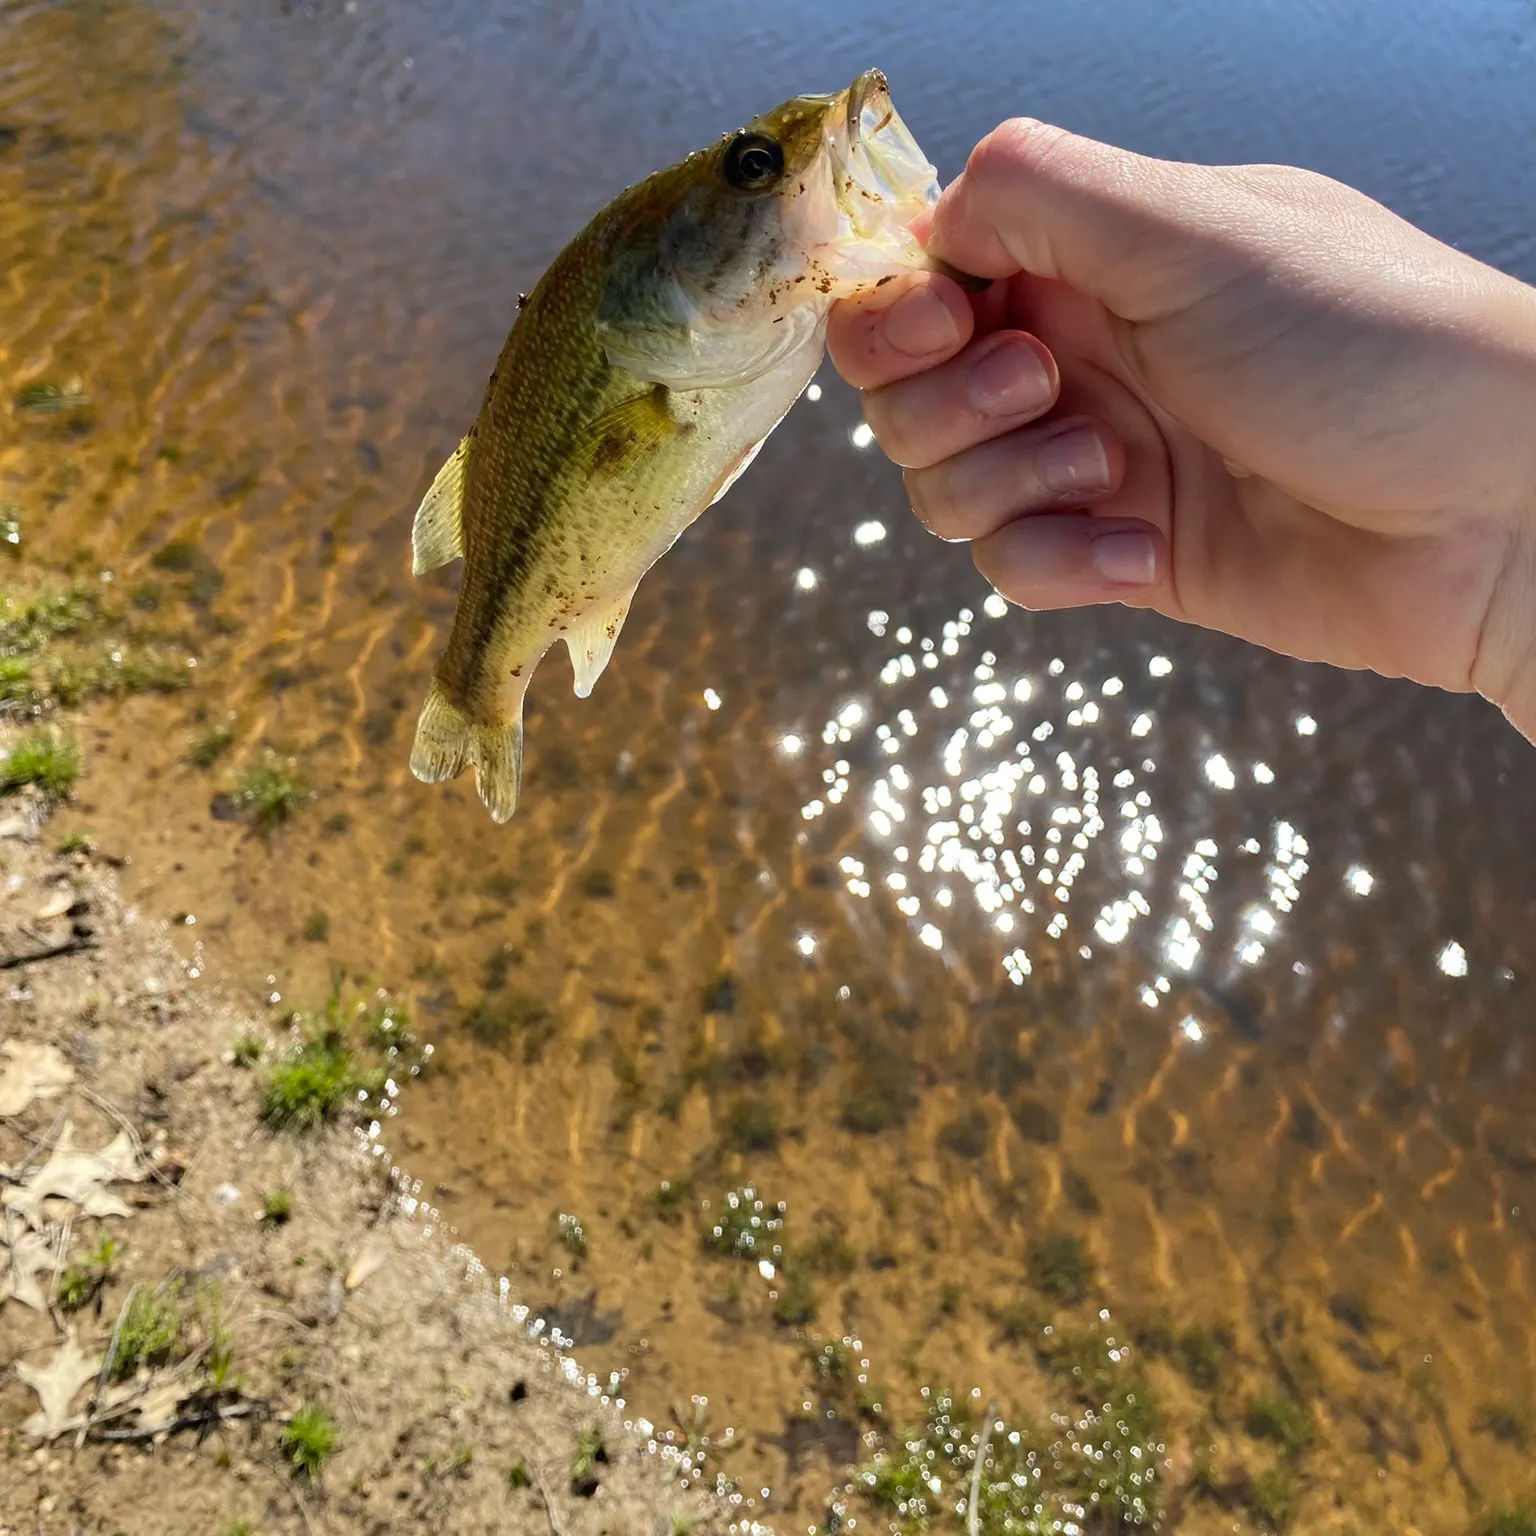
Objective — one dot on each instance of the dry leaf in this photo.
(56, 1384)
(82, 1177)
(28, 1256)
(35, 1072)
(56, 905)
(371, 1258)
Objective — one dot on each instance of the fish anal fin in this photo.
(591, 643)
(437, 535)
(448, 741)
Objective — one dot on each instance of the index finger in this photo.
(904, 326)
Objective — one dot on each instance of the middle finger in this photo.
(995, 385)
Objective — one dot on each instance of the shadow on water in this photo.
(1038, 966)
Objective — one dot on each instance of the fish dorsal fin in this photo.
(591, 643)
(437, 535)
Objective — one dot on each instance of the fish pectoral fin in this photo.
(448, 741)
(591, 643)
(627, 432)
(437, 535)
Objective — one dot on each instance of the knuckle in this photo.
(1021, 144)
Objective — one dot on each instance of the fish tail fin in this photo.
(498, 755)
(447, 742)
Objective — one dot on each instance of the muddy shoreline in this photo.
(443, 1413)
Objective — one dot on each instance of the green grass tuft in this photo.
(308, 1439)
(572, 1235)
(276, 1208)
(246, 1051)
(41, 757)
(149, 1334)
(309, 1088)
(517, 1475)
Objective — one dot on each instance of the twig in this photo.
(68, 947)
(58, 1259)
(549, 1504)
(110, 1109)
(106, 1363)
(242, 1410)
(973, 1512)
(13, 1175)
(298, 1504)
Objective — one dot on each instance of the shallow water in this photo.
(1265, 1052)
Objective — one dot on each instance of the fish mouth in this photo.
(876, 152)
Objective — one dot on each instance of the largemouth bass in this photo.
(641, 376)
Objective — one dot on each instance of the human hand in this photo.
(1247, 397)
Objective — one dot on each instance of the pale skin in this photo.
(1246, 397)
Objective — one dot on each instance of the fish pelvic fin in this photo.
(437, 535)
(447, 742)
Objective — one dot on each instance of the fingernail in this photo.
(919, 323)
(1073, 461)
(1127, 558)
(1009, 381)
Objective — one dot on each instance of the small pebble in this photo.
(225, 1194)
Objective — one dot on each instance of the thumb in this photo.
(1147, 238)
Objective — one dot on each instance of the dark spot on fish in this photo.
(611, 449)
(522, 300)
(889, 277)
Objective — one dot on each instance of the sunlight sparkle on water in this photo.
(1306, 725)
(1453, 959)
(805, 942)
(1263, 774)
(1190, 1028)
(994, 605)
(791, 745)
(1219, 771)
(711, 698)
(1160, 666)
(862, 435)
(813, 393)
(806, 579)
(1360, 881)
(868, 533)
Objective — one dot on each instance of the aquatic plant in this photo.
(745, 1226)
(795, 1304)
(42, 757)
(308, 1439)
(1279, 1419)
(517, 1475)
(1060, 1267)
(751, 1126)
(270, 794)
(210, 747)
(572, 1235)
(1508, 1521)
(1082, 1471)
(1272, 1498)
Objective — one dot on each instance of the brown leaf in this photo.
(78, 1176)
(56, 1384)
(34, 1072)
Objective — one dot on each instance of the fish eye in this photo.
(753, 161)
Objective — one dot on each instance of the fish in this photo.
(640, 378)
